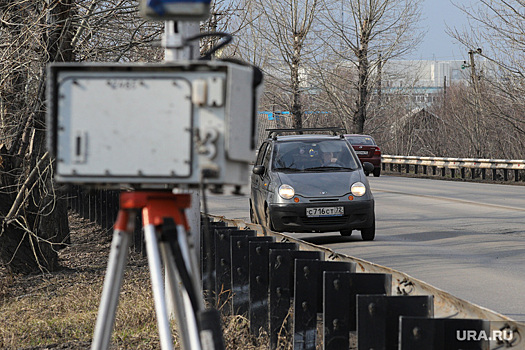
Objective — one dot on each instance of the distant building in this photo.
(424, 81)
(421, 82)
(424, 74)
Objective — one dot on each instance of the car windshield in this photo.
(360, 140)
(323, 155)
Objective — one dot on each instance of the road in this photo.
(465, 238)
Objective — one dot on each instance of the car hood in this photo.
(320, 184)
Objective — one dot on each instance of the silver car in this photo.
(311, 183)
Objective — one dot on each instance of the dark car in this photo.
(311, 183)
(367, 150)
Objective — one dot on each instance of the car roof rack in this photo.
(273, 133)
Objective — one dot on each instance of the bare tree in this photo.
(496, 48)
(361, 36)
(33, 211)
(32, 34)
(279, 33)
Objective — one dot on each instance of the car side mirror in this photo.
(369, 167)
(259, 169)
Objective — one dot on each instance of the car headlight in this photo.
(358, 189)
(286, 191)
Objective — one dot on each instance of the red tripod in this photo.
(167, 241)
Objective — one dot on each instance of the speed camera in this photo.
(151, 125)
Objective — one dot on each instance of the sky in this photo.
(436, 16)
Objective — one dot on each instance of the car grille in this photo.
(333, 220)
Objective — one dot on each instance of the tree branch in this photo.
(13, 212)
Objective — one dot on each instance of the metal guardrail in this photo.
(456, 314)
(476, 167)
(235, 286)
(102, 206)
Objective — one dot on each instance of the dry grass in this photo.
(58, 310)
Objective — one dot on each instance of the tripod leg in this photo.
(157, 282)
(189, 254)
(111, 290)
(177, 294)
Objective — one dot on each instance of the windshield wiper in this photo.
(320, 168)
(286, 169)
(331, 168)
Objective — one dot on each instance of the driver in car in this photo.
(328, 159)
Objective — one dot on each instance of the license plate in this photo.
(361, 153)
(324, 211)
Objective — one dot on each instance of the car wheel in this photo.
(369, 233)
(253, 218)
(268, 219)
(346, 233)
(366, 173)
(377, 172)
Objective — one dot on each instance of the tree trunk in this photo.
(362, 93)
(35, 219)
(296, 108)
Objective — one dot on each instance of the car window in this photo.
(313, 155)
(266, 159)
(261, 153)
(361, 140)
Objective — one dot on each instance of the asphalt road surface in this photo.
(465, 238)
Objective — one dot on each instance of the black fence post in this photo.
(259, 258)
(308, 298)
(240, 255)
(339, 318)
(84, 203)
(93, 205)
(138, 236)
(103, 215)
(443, 334)
(73, 198)
(378, 318)
(223, 266)
(208, 271)
(115, 206)
(282, 290)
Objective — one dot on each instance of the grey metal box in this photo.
(151, 124)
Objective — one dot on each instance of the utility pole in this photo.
(473, 75)
(379, 81)
(444, 91)
(477, 113)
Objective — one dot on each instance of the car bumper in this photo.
(292, 217)
(376, 162)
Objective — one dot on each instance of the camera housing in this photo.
(152, 125)
(175, 9)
